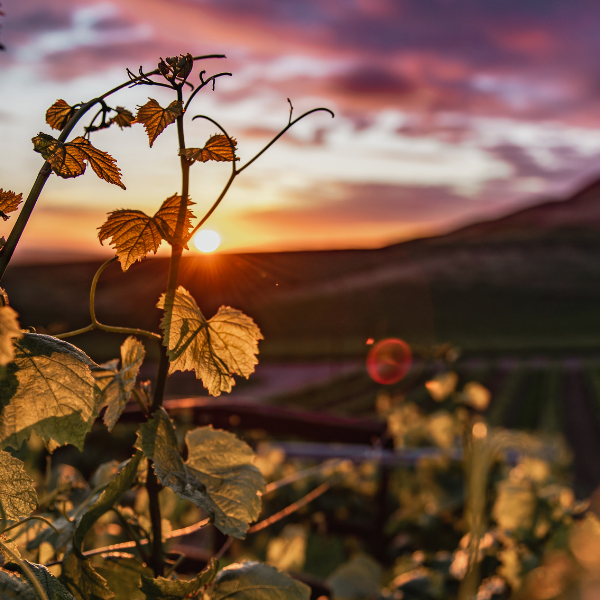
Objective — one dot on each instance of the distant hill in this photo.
(526, 281)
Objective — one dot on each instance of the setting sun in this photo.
(206, 240)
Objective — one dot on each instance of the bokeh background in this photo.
(446, 113)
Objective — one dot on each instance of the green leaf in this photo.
(49, 389)
(218, 476)
(82, 580)
(108, 498)
(17, 493)
(116, 386)
(252, 580)
(9, 331)
(169, 589)
(216, 349)
(123, 574)
(54, 589)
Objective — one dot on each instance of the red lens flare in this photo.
(389, 360)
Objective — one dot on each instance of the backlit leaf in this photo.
(169, 589)
(167, 215)
(9, 331)
(66, 160)
(107, 499)
(251, 580)
(59, 114)
(155, 119)
(123, 118)
(51, 585)
(9, 202)
(17, 493)
(217, 148)
(218, 476)
(102, 163)
(8, 546)
(49, 389)
(82, 580)
(123, 574)
(225, 345)
(134, 234)
(116, 386)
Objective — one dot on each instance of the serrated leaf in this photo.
(9, 202)
(169, 589)
(134, 234)
(51, 585)
(123, 574)
(123, 118)
(66, 160)
(9, 331)
(102, 163)
(107, 499)
(116, 386)
(82, 580)
(251, 580)
(59, 114)
(217, 148)
(17, 493)
(218, 476)
(225, 345)
(11, 545)
(167, 215)
(155, 119)
(49, 389)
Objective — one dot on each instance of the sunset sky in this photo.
(447, 111)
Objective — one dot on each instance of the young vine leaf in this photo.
(116, 386)
(155, 119)
(250, 580)
(218, 475)
(67, 159)
(225, 345)
(9, 202)
(51, 585)
(82, 580)
(217, 148)
(57, 375)
(18, 495)
(169, 589)
(134, 234)
(59, 114)
(123, 118)
(9, 331)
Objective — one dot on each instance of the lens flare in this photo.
(389, 360)
(206, 240)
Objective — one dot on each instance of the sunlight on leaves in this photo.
(123, 118)
(167, 216)
(7, 547)
(9, 331)
(116, 385)
(102, 163)
(59, 114)
(155, 119)
(217, 148)
(51, 585)
(218, 476)
(169, 589)
(17, 493)
(225, 345)
(250, 580)
(82, 580)
(9, 202)
(58, 376)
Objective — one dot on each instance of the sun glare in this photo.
(206, 240)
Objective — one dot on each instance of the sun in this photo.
(207, 240)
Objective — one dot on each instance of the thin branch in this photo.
(204, 83)
(32, 518)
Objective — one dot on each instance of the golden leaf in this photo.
(167, 215)
(133, 234)
(123, 118)
(9, 202)
(59, 114)
(66, 160)
(217, 148)
(216, 349)
(102, 163)
(9, 330)
(155, 119)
